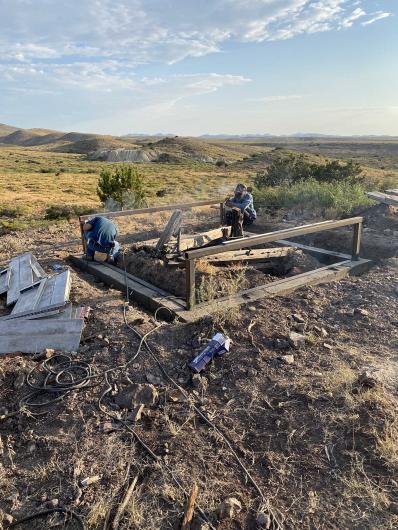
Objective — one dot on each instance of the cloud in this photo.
(268, 99)
(378, 16)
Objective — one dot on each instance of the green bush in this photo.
(56, 212)
(125, 186)
(291, 168)
(319, 197)
(11, 211)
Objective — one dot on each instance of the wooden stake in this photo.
(123, 505)
(172, 227)
(189, 510)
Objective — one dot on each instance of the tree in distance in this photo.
(123, 187)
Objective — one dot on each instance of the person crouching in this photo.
(243, 200)
(101, 234)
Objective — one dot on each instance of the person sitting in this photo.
(100, 234)
(243, 200)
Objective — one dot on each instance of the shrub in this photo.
(221, 163)
(45, 170)
(11, 211)
(125, 186)
(339, 197)
(66, 211)
(289, 169)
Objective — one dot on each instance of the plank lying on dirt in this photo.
(199, 240)
(4, 279)
(392, 192)
(383, 198)
(250, 255)
(325, 274)
(24, 272)
(33, 336)
(142, 292)
(46, 295)
(152, 297)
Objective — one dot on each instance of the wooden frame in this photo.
(247, 242)
(152, 209)
(337, 266)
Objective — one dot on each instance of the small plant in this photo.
(125, 186)
(12, 211)
(56, 212)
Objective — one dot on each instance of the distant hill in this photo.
(5, 130)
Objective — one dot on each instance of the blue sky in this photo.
(200, 66)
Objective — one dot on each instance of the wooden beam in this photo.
(152, 209)
(272, 236)
(171, 228)
(392, 192)
(356, 241)
(190, 283)
(198, 240)
(383, 198)
(190, 507)
(250, 255)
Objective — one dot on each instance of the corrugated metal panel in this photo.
(22, 275)
(4, 279)
(33, 336)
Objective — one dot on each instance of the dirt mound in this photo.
(124, 155)
(89, 144)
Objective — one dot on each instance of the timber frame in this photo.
(338, 266)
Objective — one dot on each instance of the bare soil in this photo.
(322, 448)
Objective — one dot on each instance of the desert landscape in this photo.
(295, 427)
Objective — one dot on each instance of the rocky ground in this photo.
(306, 398)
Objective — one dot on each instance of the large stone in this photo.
(287, 359)
(228, 508)
(137, 394)
(297, 340)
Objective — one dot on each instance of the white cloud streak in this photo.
(378, 16)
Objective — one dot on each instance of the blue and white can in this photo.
(218, 345)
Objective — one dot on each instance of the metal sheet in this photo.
(22, 275)
(4, 278)
(33, 336)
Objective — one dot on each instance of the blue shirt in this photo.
(245, 203)
(103, 232)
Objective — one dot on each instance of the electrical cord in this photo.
(45, 513)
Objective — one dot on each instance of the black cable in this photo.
(45, 513)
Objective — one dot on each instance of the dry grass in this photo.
(387, 444)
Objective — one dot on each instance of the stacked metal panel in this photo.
(42, 316)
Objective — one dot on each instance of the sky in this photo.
(193, 67)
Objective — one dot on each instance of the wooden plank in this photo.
(329, 256)
(190, 283)
(199, 240)
(392, 192)
(280, 287)
(356, 241)
(392, 200)
(153, 209)
(250, 255)
(141, 291)
(33, 336)
(272, 236)
(171, 229)
(4, 279)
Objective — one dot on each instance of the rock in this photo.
(263, 520)
(3, 411)
(53, 503)
(228, 508)
(136, 414)
(153, 379)
(175, 396)
(7, 519)
(252, 308)
(135, 395)
(287, 359)
(200, 382)
(361, 312)
(393, 508)
(367, 379)
(199, 524)
(299, 327)
(89, 480)
(327, 346)
(296, 340)
(298, 318)
(31, 447)
(281, 344)
(19, 381)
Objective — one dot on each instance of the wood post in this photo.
(190, 283)
(237, 223)
(222, 213)
(171, 228)
(84, 242)
(190, 507)
(356, 241)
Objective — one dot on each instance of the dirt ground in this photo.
(320, 442)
